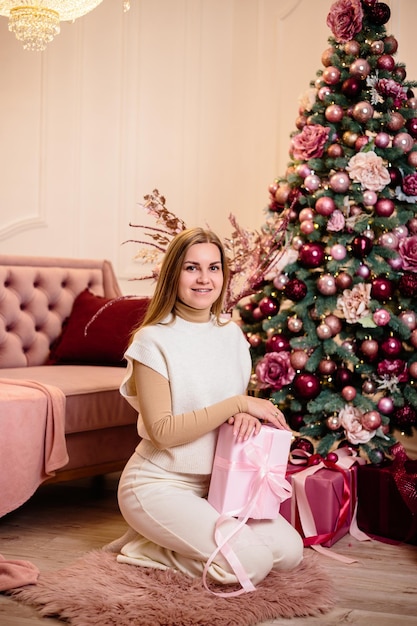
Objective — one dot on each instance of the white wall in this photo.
(194, 97)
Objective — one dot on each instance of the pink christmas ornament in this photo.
(326, 56)
(323, 332)
(335, 151)
(389, 240)
(344, 281)
(360, 68)
(384, 207)
(369, 197)
(368, 387)
(385, 405)
(363, 271)
(412, 158)
(396, 121)
(348, 393)
(334, 323)
(339, 182)
(307, 227)
(413, 369)
(327, 367)
(352, 47)
(333, 423)
(306, 214)
(338, 252)
(369, 349)
(401, 231)
(331, 75)
(326, 285)
(381, 317)
(325, 205)
(294, 324)
(403, 141)
(312, 182)
(280, 281)
(303, 170)
(324, 92)
(382, 140)
(371, 420)
(396, 263)
(363, 111)
(298, 359)
(409, 318)
(333, 113)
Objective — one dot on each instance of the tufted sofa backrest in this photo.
(37, 295)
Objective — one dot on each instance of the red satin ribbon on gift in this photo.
(265, 477)
(406, 481)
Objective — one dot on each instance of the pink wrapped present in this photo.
(323, 503)
(248, 478)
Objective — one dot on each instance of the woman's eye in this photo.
(190, 268)
(215, 268)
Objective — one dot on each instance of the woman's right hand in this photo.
(266, 411)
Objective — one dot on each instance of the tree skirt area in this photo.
(95, 590)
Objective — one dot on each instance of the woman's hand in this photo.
(244, 426)
(266, 411)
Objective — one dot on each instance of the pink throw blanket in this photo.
(32, 441)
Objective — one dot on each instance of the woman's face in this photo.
(201, 278)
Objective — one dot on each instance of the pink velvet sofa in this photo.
(50, 338)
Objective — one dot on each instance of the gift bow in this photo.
(266, 475)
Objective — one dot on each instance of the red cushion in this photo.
(107, 336)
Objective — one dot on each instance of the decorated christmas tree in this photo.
(333, 326)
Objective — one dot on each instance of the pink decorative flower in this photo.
(336, 221)
(389, 88)
(368, 169)
(345, 19)
(407, 250)
(350, 419)
(354, 303)
(274, 370)
(395, 368)
(309, 144)
(409, 185)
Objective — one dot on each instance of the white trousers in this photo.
(174, 524)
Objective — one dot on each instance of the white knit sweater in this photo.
(204, 363)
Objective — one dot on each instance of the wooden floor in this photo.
(64, 520)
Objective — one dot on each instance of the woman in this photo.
(187, 374)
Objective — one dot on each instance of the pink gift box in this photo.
(248, 478)
(325, 494)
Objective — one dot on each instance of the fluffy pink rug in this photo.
(97, 591)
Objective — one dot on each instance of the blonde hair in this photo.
(166, 290)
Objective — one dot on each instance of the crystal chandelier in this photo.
(36, 22)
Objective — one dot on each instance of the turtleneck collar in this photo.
(191, 315)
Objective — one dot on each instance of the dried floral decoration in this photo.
(250, 254)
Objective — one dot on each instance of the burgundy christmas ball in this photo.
(385, 62)
(384, 207)
(301, 443)
(351, 87)
(363, 111)
(344, 281)
(400, 73)
(311, 255)
(379, 12)
(343, 377)
(306, 386)
(395, 176)
(377, 47)
(369, 349)
(295, 289)
(405, 417)
(371, 420)
(246, 312)
(382, 289)
(327, 367)
(391, 347)
(411, 126)
(296, 421)
(254, 340)
(361, 246)
(268, 306)
(277, 343)
(390, 44)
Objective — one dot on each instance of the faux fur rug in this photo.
(97, 591)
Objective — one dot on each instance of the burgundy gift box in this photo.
(248, 478)
(327, 497)
(382, 510)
